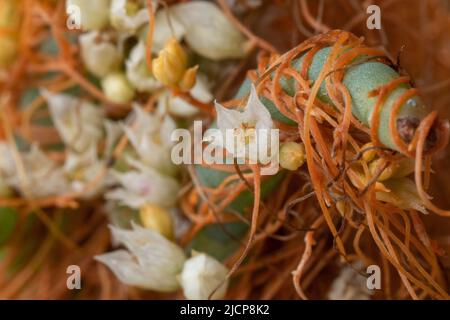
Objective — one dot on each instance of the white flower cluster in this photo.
(202, 25)
(114, 49)
(155, 263)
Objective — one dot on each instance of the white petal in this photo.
(137, 71)
(113, 132)
(157, 261)
(349, 285)
(208, 31)
(128, 271)
(79, 123)
(7, 164)
(201, 275)
(99, 55)
(129, 23)
(126, 198)
(93, 14)
(257, 112)
(226, 118)
(167, 127)
(165, 30)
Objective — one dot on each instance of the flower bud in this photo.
(93, 13)
(171, 64)
(292, 155)
(157, 218)
(201, 275)
(117, 88)
(189, 79)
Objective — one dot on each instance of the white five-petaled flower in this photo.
(150, 136)
(248, 134)
(144, 185)
(78, 122)
(151, 261)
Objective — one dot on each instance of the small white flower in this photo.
(207, 31)
(201, 275)
(137, 71)
(93, 13)
(129, 15)
(82, 168)
(78, 122)
(43, 178)
(181, 108)
(150, 136)
(100, 55)
(151, 262)
(144, 185)
(247, 134)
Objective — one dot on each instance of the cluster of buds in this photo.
(171, 67)
(292, 155)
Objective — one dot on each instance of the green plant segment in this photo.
(361, 78)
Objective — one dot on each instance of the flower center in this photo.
(246, 132)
